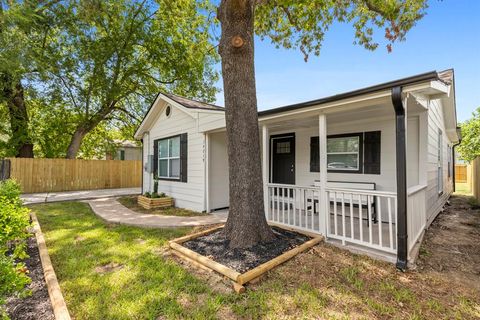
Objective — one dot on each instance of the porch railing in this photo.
(362, 217)
(416, 211)
(293, 206)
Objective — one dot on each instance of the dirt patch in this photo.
(451, 245)
(36, 306)
(109, 267)
(216, 247)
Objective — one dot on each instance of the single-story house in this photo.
(125, 150)
(368, 169)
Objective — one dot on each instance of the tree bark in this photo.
(85, 127)
(20, 138)
(246, 224)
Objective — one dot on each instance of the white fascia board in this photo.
(429, 88)
(141, 129)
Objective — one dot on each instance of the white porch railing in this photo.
(416, 211)
(362, 217)
(293, 206)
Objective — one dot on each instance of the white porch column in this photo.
(323, 204)
(265, 161)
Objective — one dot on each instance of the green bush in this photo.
(14, 223)
(10, 189)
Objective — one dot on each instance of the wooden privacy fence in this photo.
(461, 173)
(53, 175)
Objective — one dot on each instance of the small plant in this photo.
(155, 186)
(162, 195)
(147, 194)
(155, 195)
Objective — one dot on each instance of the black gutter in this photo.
(401, 166)
(433, 75)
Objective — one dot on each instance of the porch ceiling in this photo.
(339, 116)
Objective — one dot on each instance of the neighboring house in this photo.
(369, 169)
(125, 150)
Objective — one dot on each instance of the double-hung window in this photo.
(169, 158)
(344, 153)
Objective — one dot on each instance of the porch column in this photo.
(265, 162)
(323, 202)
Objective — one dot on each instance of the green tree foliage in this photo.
(14, 223)
(114, 56)
(469, 148)
(303, 24)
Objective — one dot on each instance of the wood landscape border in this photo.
(56, 298)
(239, 279)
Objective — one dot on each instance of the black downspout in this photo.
(141, 140)
(401, 162)
(453, 163)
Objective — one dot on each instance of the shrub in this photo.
(10, 189)
(155, 195)
(155, 186)
(14, 223)
(147, 194)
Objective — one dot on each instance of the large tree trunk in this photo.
(20, 139)
(76, 142)
(246, 224)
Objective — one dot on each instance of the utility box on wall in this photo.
(149, 164)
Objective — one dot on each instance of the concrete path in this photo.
(112, 211)
(77, 195)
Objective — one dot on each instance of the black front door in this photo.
(282, 153)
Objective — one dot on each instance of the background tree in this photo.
(25, 29)
(113, 56)
(469, 148)
(289, 24)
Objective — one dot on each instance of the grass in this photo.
(131, 203)
(119, 272)
(462, 188)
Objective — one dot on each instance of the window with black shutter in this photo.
(349, 153)
(372, 152)
(170, 158)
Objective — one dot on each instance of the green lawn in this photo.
(462, 188)
(119, 272)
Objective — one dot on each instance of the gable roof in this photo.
(193, 104)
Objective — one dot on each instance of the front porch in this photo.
(334, 172)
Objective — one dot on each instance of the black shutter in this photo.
(372, 152)
(155, 159)
(314, 154)
(183, 157)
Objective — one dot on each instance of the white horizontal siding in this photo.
(435, 122)
(189, 195)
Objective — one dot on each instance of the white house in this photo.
(369, 169)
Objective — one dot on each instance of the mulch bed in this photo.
(36, 306)
(216, 247)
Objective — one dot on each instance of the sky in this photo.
(447, 37)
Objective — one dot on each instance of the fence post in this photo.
(4, 169)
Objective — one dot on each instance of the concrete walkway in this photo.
(109, 209)
(77, 195)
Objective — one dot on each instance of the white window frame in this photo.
(168, 158)
(339, 153)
